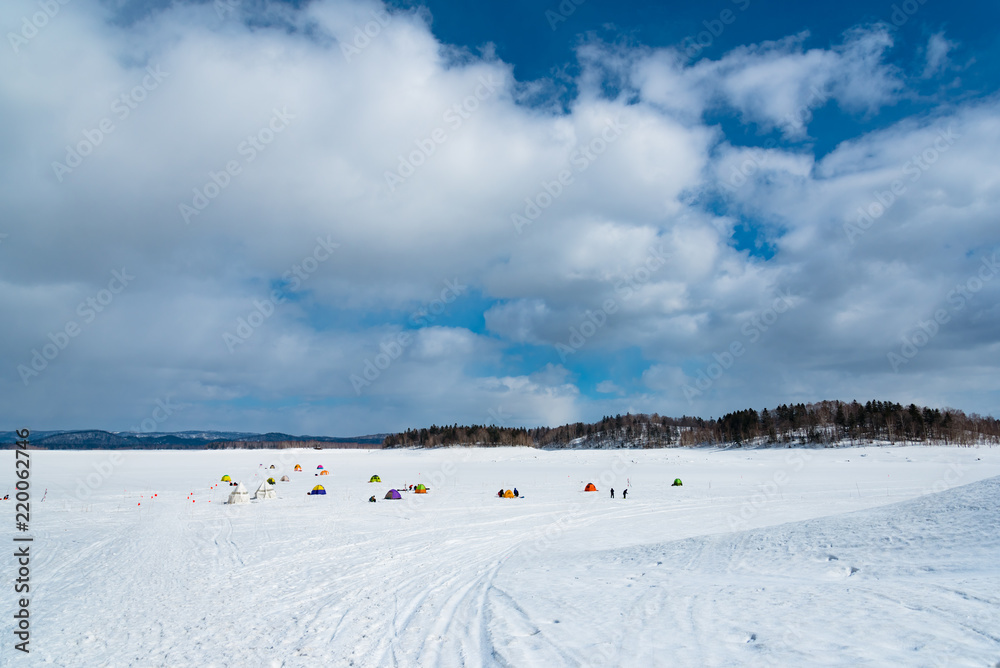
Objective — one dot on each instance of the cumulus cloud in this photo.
(309, 182)
(776, 84)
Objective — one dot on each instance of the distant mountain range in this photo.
(90, 439)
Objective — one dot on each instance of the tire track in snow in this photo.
(521, 642)
(464, 609)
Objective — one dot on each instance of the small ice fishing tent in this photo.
(677, 483)
(420, 489)
(393, 494)
(298, 467)
(271, 481)
(239, 495)
(272, 466)
(319, 467)
(590, 487)
(508, 494)
(284, 478)
(318, 489)
(226, 478)
(265, 491)
(324, 472)
(374, 478)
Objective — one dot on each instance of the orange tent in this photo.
(420, 489)
(324, 472)
(508, 494)
(590, 487)
(298, 468)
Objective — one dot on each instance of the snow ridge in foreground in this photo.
(909, 584)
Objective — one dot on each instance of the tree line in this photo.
(822, 423)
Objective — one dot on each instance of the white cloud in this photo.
(608, 387)
(776, 84)
(938, 48)
(323, 176)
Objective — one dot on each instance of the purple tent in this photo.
(392, 494)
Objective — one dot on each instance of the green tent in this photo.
(677, 483)
(374, 478)
(420, 489)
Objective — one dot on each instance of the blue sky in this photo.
(352, 217)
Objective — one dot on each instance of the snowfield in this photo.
(878, 556)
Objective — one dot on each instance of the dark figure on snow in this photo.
(612, 492)
(625, 494)
(516, 492)
(500, 493)
(371, 500)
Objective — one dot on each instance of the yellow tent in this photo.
(226, 478)
(508, 494)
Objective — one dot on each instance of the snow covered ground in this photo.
(785, 557)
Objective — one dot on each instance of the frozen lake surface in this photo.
(871, 556)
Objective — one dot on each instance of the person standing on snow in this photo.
(625, 494)
(612, 492)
